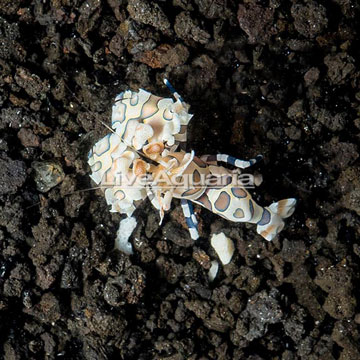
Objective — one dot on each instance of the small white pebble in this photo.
(223, 246)
(213, 270)
(126, 228)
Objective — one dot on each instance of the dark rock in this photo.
(148, 13)
(311, 76)
(12, 174)
(340, 66)
(339, 154)
(309, 20)
(296, 110)
(295, 325)
(69, 277)
(116, 45)
(11, 118)
(333, 122)
(345, 334)
(169, 269)
(177, 235)
(32, 83)
(202, 258)
(336, 281)
(47, 310)
(47, 175)
(164, 55)
(28, 138)
(262, 309)
(247, 280)
(213, 9)
(257, 22)
(89, 14)
(188, 29)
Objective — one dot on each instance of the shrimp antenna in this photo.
(176, 95)
(98, 120)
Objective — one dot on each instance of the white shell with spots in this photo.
(223, 246)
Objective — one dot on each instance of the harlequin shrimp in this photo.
(144, 157)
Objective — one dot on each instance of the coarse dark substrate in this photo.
(277, 78)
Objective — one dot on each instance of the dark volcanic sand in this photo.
(279, 78)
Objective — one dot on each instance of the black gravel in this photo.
(278, 78)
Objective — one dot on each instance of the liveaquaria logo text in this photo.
(162, 179)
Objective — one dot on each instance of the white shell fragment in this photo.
(126, 228)
(213, 270)
(223, 246)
